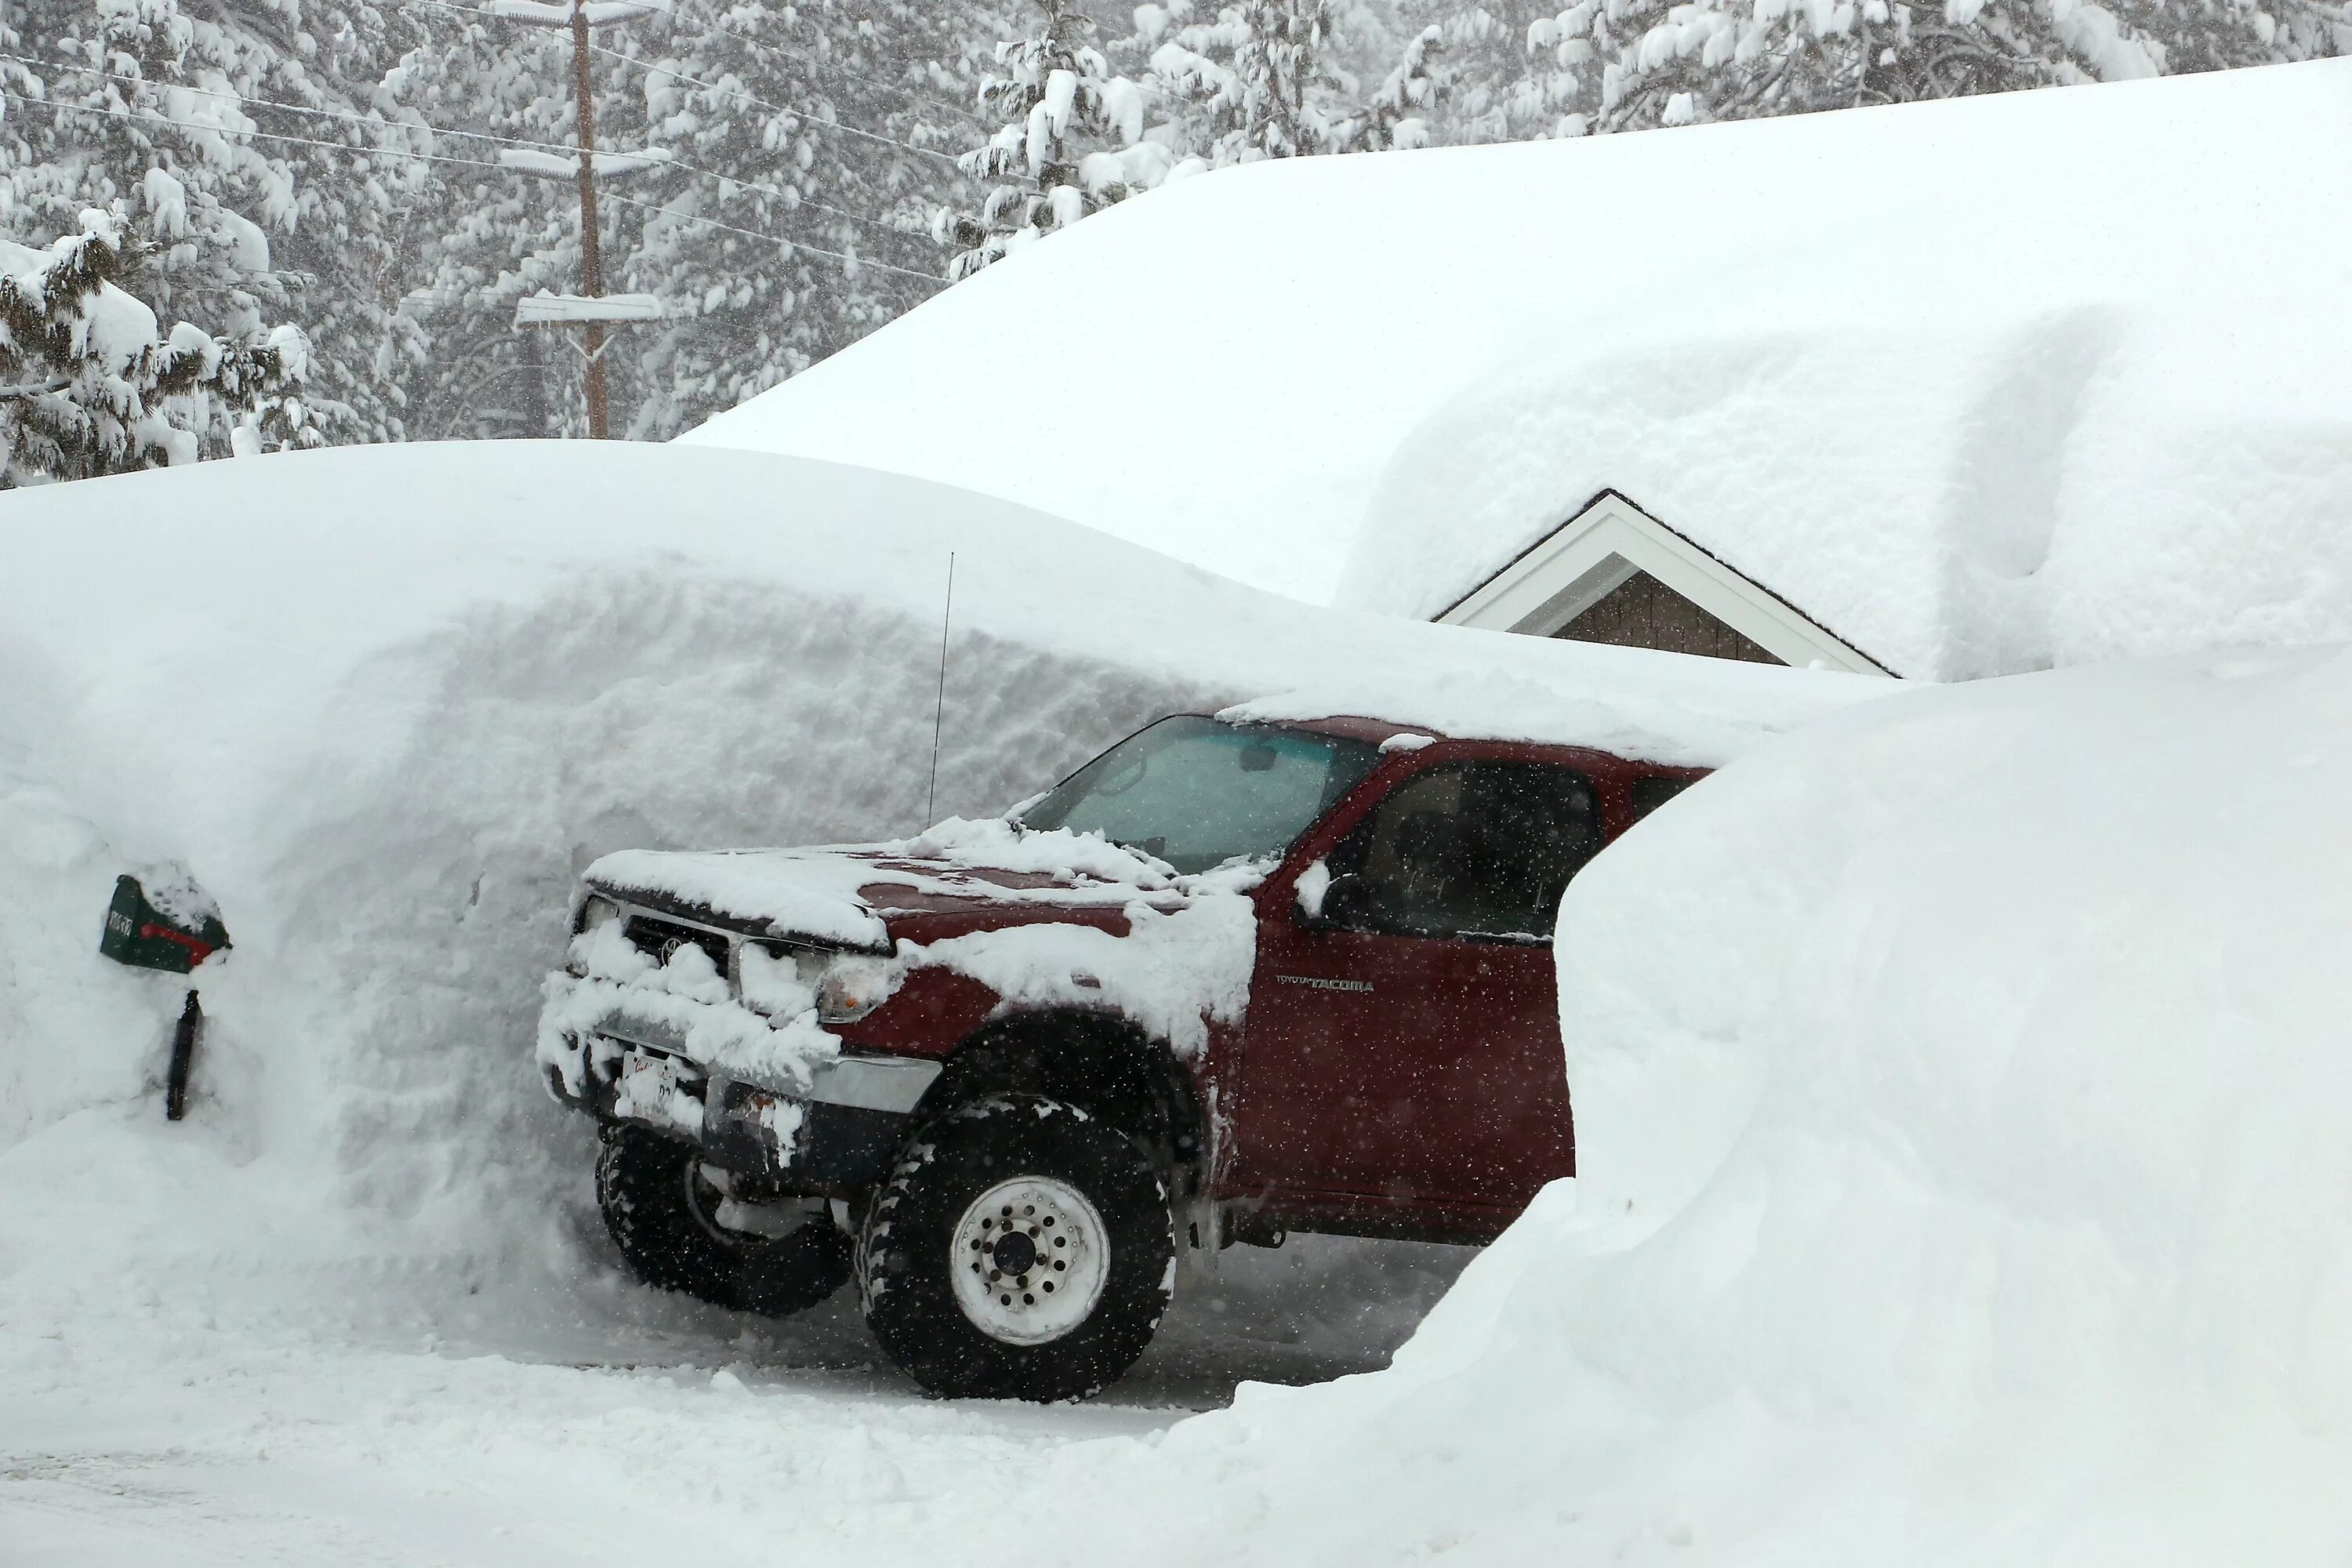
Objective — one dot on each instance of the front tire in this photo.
(663, 1208)
(1020, 1250)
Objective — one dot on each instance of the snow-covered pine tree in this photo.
(1486, 83)
(89, 386)
(834, 129)
(1672, 62)
(1396, 116)
(196, 122)
(1070, 142)
(1252, 81)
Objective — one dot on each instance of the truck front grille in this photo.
(657, 938)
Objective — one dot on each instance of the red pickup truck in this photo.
(1227, 981)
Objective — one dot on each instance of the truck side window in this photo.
(1473, 849)
(1651, 792)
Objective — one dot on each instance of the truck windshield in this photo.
(1197, 792)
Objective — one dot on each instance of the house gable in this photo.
(1614, 574)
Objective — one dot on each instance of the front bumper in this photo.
(844, 1132)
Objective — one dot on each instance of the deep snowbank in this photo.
(1964, 1111)
(384, 703)
(2055, 389)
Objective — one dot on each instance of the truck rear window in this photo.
(1197, 792)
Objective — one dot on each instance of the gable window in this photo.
(1614, 574)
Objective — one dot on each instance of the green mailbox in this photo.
(144, 937)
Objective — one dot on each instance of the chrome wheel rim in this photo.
(1029, 1260)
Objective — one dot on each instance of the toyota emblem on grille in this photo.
(669, 949)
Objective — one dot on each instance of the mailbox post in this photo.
(139, 934)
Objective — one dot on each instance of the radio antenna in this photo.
(940, 707)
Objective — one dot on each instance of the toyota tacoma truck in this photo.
(1228, 981)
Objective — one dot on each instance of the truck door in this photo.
(1403, 1052)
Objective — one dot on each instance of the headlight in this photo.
(842, 987)
(853, 985)
(595, 912)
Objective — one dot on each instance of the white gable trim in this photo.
(1566, 573)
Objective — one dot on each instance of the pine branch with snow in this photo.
(1255, 80)
(234, 142)
(89, 386)
(1070, 142)
(1395, 118)
(1647, 63)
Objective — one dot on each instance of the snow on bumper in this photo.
(672, 1048)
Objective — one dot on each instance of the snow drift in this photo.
(1980, 384)
(1964, 1116)
(384, 703)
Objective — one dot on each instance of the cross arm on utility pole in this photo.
(578, 17)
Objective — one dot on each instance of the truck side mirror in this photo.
(1349, 904)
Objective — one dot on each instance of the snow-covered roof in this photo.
(177, 641)
(1977, 384)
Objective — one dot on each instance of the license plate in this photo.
(652, 1088)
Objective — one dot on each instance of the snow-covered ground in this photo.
(231, 1387)
(1964, 1113)
(1966, 1135)
(384, 704)
(1982, 385)
(1964, 1147)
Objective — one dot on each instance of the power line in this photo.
(793, 199)
(239, 98)
(751, 43)
(465, 163)
(777, 239)
(260, 135)
(802, 115)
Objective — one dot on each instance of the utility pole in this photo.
(592, 262)
(580, 310)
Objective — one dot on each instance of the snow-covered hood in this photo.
(859, 895)
(1041, 919)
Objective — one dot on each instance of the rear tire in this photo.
(660, 1206)
(1020, 1250)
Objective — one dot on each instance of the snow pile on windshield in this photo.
(1964, 1126)
(2012, 408)
(994, 843)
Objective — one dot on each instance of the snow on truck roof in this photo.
(1977, 385)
